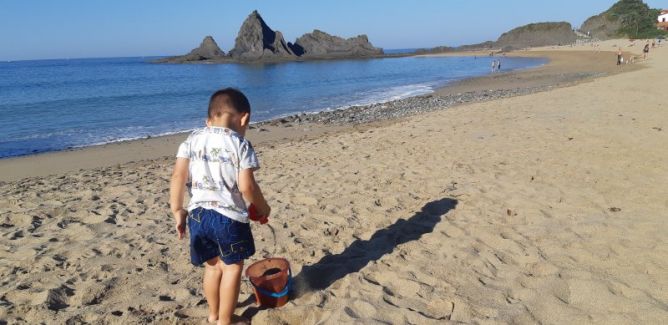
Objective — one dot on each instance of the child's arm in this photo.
(252, 193)
(176, 189)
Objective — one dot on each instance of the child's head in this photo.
(229, 108)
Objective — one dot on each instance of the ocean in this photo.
(51, 105)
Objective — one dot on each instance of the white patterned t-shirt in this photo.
(217, 155)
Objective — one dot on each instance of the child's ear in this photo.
(208, 123)
(245, 119)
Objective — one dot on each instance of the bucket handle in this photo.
(279, 294)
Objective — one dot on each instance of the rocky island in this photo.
(207, 50)
(319, 44)
(256, 42)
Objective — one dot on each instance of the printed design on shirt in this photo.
(207, 183)
(215, 155)
(219, 155)
(231, 189)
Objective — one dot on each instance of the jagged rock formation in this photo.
(539, 34)
(319, 44)
(207, 50)
(256, 41)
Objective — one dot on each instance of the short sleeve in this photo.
(247, 157)
(184, 149)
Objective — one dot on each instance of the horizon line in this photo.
(141, 56)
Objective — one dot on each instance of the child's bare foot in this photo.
(213, 318)
(238, 320)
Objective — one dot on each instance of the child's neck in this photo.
(224, 122)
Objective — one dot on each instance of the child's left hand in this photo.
(180, 217)
(255, 216)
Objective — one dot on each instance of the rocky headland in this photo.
(626, 18)
(601, 26)
(536, 34)
(256, 42)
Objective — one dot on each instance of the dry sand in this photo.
(547, 208)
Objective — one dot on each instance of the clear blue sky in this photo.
(36, 29)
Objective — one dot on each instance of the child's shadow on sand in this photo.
(331, 268)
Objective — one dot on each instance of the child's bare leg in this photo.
(229, 290)
(212, 276)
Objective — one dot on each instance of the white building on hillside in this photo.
(663, 20)
(663, 17)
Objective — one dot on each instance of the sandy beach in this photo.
(543, 208)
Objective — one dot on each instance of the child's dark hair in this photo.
(228, 98)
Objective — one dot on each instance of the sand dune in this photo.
(547, 208)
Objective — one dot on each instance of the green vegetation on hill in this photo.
(634, 18)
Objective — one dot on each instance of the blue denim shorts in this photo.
(213, 234)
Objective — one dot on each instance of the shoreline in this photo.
(560, 70)
(276, 60)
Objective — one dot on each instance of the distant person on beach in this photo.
(645, 51)
(620, 58)
(216, 163)
(498, 65)
(493, 65)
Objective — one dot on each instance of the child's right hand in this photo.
(180, 218)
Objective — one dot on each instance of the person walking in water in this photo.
(493, 65)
